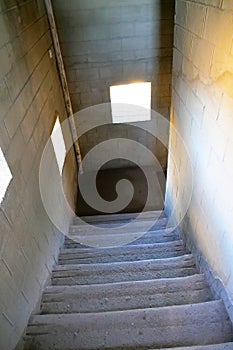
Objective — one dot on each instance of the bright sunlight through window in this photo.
(5, 176)
(58, 144)
(131, 102)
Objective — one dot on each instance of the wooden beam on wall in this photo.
(63, 79)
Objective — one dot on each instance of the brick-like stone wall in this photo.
(112, 42)
(202, 112)
(30, 97)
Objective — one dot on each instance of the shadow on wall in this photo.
(110, 131)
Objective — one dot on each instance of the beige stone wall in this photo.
(30, 94)
(202, 112)
(112, 42)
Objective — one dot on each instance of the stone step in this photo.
(125, 253)
(172, 326)
(123, 271)
(157, 223)
(105, 240)
(121, 217)
(125, 295)
(223, 346)
(122, 227)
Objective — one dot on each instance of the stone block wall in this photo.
(107, 43)
(30, 98)
(202, 113)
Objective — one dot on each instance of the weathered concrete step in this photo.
(120, 217)
(122, 227)
(183, 325)
(125, 253)
(223, 346)
(125, 295)
(119, 239)
(123, 271)
(155, 223)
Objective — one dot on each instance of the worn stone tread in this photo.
(123, 271)
(125, 295)
(223, 346)
(123, 227)
(180, 261)
(120, 217)
(183, 325)
(130, 290)
(118, 240)
(155, 223)
(124, 253)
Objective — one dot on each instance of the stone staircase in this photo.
(144, 295)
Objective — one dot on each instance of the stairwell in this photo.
(144, 295)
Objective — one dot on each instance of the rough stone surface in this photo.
(126, 253)
(155, 224)
(125, 295)
(179, 325)
(123, 271)
(120, 218)
(106, 240)
(224, 346)
(202, 106)
(140, 304)
(30, 97)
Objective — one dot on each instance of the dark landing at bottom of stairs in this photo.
(145, 295)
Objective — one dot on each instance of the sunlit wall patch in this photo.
(131, 102)
(58, 144)
(5, 176)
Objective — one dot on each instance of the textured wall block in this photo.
(227, 5)
(202, 114)
(217, 24)
(181, 13)
(29, 95)
(87, 74)
(113, 44)
(196, 16)
(183, 41)
(5, 100)
(203, 53)
(111, 71)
